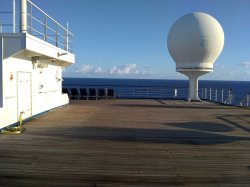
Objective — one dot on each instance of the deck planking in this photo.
(123, 143)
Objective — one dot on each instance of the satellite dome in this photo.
(195, 41)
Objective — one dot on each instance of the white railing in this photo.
(142, 92)
(152, 92)
(43, 26)
(218, 95)
(39, 24)
(245, 102)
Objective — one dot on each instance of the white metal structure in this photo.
(245, 102)
(31, 67)
(195, 41)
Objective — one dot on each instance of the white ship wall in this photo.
(28, 89)
(31, 65)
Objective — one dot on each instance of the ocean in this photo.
(240, 88)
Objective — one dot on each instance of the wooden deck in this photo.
(130, 143)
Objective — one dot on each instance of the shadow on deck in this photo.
(198, 133)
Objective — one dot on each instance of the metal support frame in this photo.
(23, 16)
(173, 93)
(216, 95)
(67, 37)
(1, 70)
(210, 94)
(222, 94)
(205, 93)
(31, 19)
(14, 16)
(51, 31)
(1, 26)
(57, 36)
(45, 28)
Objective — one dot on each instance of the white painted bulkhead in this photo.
(24, 94)
(29, 86)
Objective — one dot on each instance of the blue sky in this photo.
(127, 38)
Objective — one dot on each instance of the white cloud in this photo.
(128, 69)
(99, 70)
(84, 69)
(89, 69)
(124, 70)
(245, 64)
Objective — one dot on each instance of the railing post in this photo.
(216, 95)
(210, 94)
(1, 28)
(147, 92)
(229, 96)
(202, 92)
(222, 94)
(14, 16)
(67, 37)
(45, 28)
(56, 35)
(206, 93)
(175, 93)
(31, 19)
(247, 100)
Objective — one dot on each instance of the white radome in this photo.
(195, 41)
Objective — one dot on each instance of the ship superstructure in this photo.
(33, 54)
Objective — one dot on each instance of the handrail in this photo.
(218, 95)
(245, 102)
(48, 16)
(143, 92)
(39, 24)
(60, 33)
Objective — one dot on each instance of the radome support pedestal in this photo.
(193, 83)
